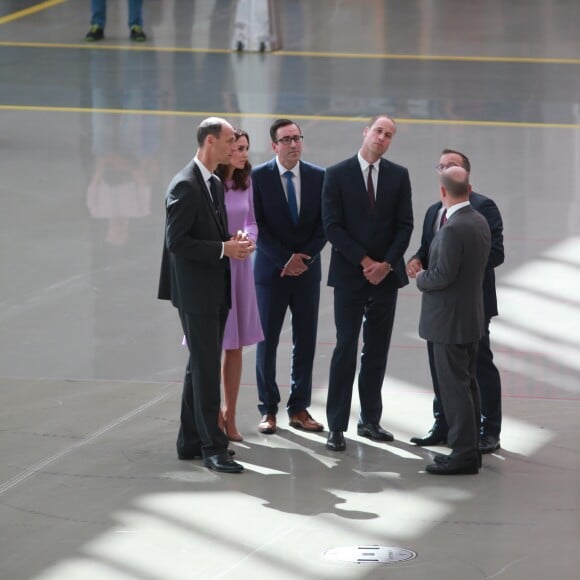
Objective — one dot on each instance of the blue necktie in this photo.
(291, 190)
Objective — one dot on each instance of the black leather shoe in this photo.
(193, 456)
(222, 463)
(440, 458)
(488, 443)
(436, 436)
(454, 467)
(374, 431)
(335, 441)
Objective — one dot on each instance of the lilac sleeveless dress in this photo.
(243, 324)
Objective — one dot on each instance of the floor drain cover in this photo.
(369, 554)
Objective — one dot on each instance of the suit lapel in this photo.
(432, 220)
(219, 219)
(359, 186)
(382, 181)
(304, 197)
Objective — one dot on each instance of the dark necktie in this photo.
(443, 219)
(371, 188)
(214, 195)
(291, 191)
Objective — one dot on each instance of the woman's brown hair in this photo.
(240, 177)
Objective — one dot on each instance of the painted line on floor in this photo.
(300, 54)
(429, 57)
(344, 119)
(99, 46)
(37, 467)
(30, 10)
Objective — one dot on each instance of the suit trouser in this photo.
(200, 402)
(273, 302)
(374, 308)
(455, 367)
(489, 381)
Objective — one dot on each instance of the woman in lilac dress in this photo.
(243, 326)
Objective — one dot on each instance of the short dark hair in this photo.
(455, 189)
(241, 177)
(212, 126)
(464, 158)
(281, 123)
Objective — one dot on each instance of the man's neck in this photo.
(452, 202)
(285, 166)
(371, 160)
(207, 160)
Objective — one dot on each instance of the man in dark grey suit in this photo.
(195, 277)
(368, 219)
(488, 377)
(452, 318)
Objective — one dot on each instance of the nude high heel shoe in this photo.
(233, 434)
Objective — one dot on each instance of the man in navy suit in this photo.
(287, 271)
(368, 219)
(487, 374)
(195, 276)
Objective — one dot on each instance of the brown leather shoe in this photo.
(267, 425)
(304, 421)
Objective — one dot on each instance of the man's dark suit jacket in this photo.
(193, 276)
(488, 209)
(355, 232)
(278, 237)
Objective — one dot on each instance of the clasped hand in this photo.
(375, 272)
(414, 266)
(295, 265)
(239, 246)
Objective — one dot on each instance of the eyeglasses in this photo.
(442, 167)
(288, 140)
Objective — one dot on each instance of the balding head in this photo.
(210, 126)
(216, 139)
(455, 185)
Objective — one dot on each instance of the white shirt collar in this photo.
(283, 170)
(451, 210)
(205, 172)
(364, 164)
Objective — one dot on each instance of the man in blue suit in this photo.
(287, 271)
(487, 374)
(368, 219)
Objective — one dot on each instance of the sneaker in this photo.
(137, 34)
(95, 33)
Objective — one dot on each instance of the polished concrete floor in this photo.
(91, 362)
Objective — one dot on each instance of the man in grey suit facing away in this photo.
(452, 318)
